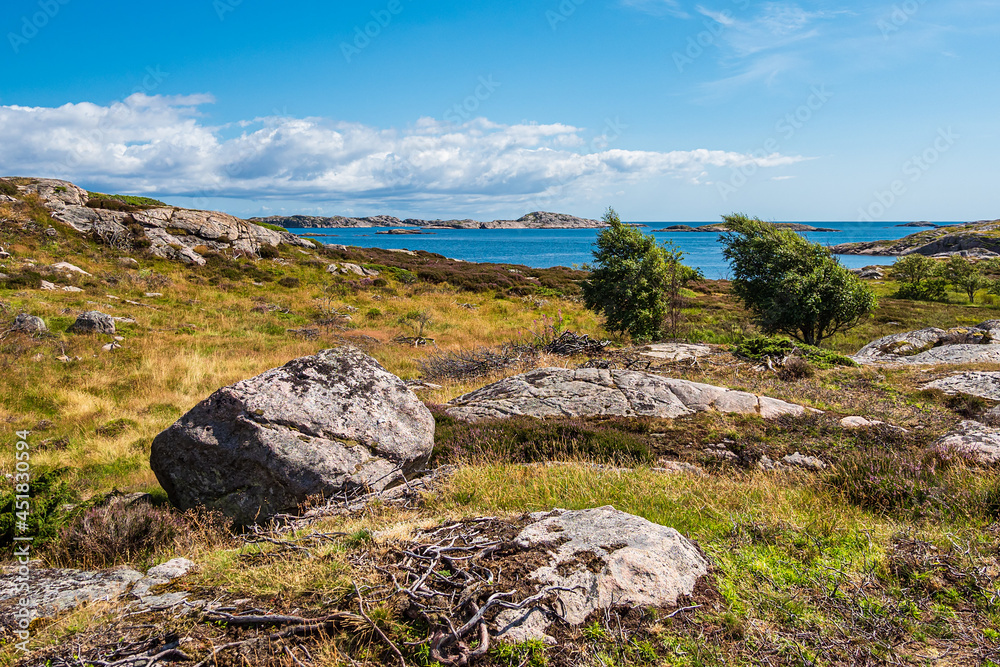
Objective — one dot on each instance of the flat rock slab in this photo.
(959, 345)
(982, 384)
(601, 558)
(333, 423)
(974, 439)
(675, 351)
(591, 392)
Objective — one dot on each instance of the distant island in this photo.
(721, 227)
(922, 223)
(976, 239)
(535, 220)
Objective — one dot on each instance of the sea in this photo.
(543, 248)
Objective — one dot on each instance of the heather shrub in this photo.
(116, 533)
(526, 440)
(46, 511)
(930, 485)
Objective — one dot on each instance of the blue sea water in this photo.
(542, 248)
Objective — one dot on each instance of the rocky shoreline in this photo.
(721, 227)
(535, 220)
(973, 239)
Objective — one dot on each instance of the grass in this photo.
(122, 202)
(835, 568)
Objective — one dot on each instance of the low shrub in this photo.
(927, 485)
(268, 252)
(290, 282)
(115, 533)
(45, 512)
(101, 200)
(762, 348)
(9, 189)
(268, 225)
(932, 289)
(526, 440)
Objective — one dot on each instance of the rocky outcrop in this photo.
(54, 591)
(675, 351)
(959, 345)
(945, 240)
(172, 233)
(347, 268)
(536, 220)
(596, 559)
(720, 227)
(586, 392)
(975, 440)
(982, 384)
(93, 321)
(332, 424)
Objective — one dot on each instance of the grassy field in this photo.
(888, 557)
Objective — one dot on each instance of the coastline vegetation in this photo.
(887, 557)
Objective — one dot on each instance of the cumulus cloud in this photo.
(164, 145)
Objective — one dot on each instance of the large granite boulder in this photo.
(592, 392)
(333, 423)
(93, 321)
(601, 558)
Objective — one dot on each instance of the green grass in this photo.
(130, 200)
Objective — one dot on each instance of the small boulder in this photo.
(93, 321)
(982, 384)
(797, 460)
(331, 424)
(128, 262)
(4, 254)
(71, 288)
(47, 286)
(29, 324)
(600, 558)
(69, 268)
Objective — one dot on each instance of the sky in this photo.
(666, 110)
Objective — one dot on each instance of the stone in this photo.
(675, 351)
(47, 286)
(93, 321)
(153, 295)
(330, 424)
(69, 268)
(71, 288)
(855, 422)
(29, 324)
(973, 439)
(113, 345)
(958, 345)
(128, 262)
(55, 591)
(347, 268)
(51, 231)
(797, 460)
(4, 254)
(591, 392)
(606, 558)
(982, 384)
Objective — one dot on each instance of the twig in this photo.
(361, 608)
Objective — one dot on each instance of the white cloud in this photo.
(163, 145)
(657, 7)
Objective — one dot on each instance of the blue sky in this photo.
(665, 109)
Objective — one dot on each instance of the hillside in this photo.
(536, 220)
(771, 507)
(982, 238)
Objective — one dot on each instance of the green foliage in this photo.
(965, 276)
(268, 252)
(9, 189)
(45, 514)
(530, 653)
(762, 348)
(268, 225)
(121, 202)
(633, 279)
(921, 278)
(790, 285)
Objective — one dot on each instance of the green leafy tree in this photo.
(634, 281)
(965, 276)
(920, 278)
(790, 285)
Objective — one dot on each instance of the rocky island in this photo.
(980, 238)
(535, 220)
(719, 227)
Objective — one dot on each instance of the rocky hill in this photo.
(721, 227)
(535, 220)
(167, 231)
(975, 238)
